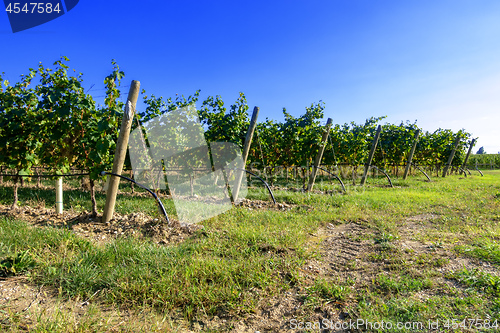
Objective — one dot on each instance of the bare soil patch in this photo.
(260, 204)
(136, 225)
(22, 303)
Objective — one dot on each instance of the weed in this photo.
(20, 263)
(324, 291)
(401, 285)
(479, 280)
(385, 238)
(483, 249)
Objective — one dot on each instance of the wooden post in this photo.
(319, 156)
(246, 149)
(452, 155)
(262, 158)
(121, 150)
(464, 165)
(410, 157)
(370, 156)
(131, 176)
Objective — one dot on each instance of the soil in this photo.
(268, 205)
(344, 248)
(84, 224)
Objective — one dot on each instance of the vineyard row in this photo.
(47, 119)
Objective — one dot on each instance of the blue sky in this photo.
(437, 62)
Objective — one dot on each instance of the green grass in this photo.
(478, 280)
(401, 285)
(210, 272)
(218, 270)
(483, 248)
(324, 292)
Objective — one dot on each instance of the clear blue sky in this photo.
(437, 62)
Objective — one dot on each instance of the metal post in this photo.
(59, 195)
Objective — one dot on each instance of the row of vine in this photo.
(55, 123)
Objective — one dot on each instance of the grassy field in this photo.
(418, 252)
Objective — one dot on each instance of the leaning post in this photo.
(319, 156)
(246, 150)
(370, 156)
(468, 154)
(121, 150)
(410, 157)
(452, 155)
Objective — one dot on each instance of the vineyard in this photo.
(486, 161)
(52, 123)
(388, 249)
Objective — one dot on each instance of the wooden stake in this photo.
(370, 156)
(468, 154)
(452, 155)
(319, 156)
(246, 149)
(410, 157)
(121, 150)
(16, 196)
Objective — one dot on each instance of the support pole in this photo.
(410, 157)
(370, 156)
(464, 165)
(246, 149)
(452, 155)
(121, 151)
(422, 171)
(319, 156)
(59, 195)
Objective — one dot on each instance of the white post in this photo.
(59, 196)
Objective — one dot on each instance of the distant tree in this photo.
(481, 151)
